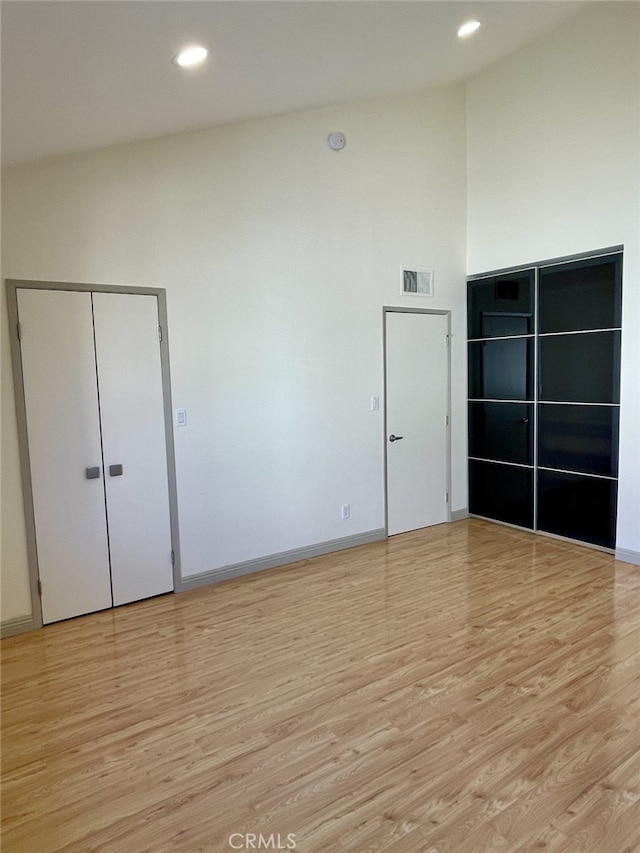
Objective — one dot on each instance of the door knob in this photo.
(395, 437)
(93, 473)
(523, 421)
(115, 470)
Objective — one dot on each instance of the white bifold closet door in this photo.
(97, 452)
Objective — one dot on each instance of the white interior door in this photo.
(133, 435)
(417, 378)
(59, 378)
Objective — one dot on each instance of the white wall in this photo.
(277, 255)
(554, 169)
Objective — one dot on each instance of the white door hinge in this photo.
(160, 333)
(19, 330)
(173, 558)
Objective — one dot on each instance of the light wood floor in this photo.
(463, 688)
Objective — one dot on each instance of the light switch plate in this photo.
(180, 417)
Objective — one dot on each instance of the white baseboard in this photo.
(628, 556)
(459, 514)
(21, 625)
(281, 559)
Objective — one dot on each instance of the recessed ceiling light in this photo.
(467, 28)
(191, 56)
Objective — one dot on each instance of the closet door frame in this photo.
(537, 266)
(12, 287)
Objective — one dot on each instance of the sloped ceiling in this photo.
(83, 74)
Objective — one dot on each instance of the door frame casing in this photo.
(391, 309)
(12, 287)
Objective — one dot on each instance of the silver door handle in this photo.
(115, 470)
(395, 437)
(93, 473)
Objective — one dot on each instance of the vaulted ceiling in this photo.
(82, 74)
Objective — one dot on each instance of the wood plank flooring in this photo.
(464, 688)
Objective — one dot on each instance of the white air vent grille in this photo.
(417, 282)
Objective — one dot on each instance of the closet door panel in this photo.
(580, 368)
(501, 431)
(502, 492)
(59, 378)
(577, 507)
(581, 295)
(579, 438)
(501, 369)
(501, 306)
(132, 413)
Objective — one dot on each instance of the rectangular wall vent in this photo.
(417, 282)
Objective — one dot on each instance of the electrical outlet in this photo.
(346, 511)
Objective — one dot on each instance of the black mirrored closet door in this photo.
(579, 319)
(501, 323)
(544, 397)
